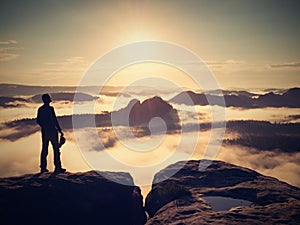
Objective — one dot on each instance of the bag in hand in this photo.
(62, 140)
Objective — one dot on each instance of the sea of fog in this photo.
(107, 104)
(22, 156)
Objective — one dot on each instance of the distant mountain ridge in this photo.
(11, 90)
(65, 96)
(289, 98)
(13, 102)
(233, 98)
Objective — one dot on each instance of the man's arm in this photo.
(56, 121)
(38, 118)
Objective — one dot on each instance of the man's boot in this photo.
(44, 170)
(59, 170)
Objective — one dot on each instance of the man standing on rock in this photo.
(46, 118)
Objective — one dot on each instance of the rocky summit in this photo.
(70, 198)
(221, 194)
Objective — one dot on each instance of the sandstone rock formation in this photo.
(183, 198)
(139, 114)
(221, 194)
(70, 198)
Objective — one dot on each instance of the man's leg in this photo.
(44, 152)
(56, 153)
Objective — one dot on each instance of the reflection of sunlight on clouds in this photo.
(123, 154)
(286, 171)
(89, 140)
(141, 164)
(20, 157)
(284, 166)
(146, 158)
(23, 156)
(186, 112)
(107, 103)
(104, 103)
(6, 131)
(72, 158)
(203, 140)
(21, 112)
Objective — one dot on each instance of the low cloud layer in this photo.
(15, 159)
(291, 118)
(226, 62)
(10, 102)
(8, 42)
(285, 65)
(260, 135)
(269, 148)
(284, 166)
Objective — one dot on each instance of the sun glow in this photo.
(137, 34)
(140, 71)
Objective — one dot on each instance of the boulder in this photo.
(70, 198)
(221, 194)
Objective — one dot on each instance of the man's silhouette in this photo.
(46, 118)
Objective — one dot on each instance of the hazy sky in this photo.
(248, 44)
